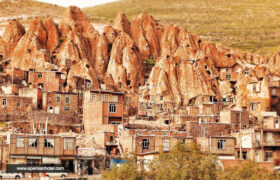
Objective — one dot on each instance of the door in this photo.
(56, 110)
(276, 123)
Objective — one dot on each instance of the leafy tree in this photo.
(186, 162)
(248, 170)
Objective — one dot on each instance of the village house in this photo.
(228, 74)
(47, 80)
(237, 118)
(222, 146)
(147, 144)
(60, 103)
(102, 107)
(35, 94)
(13, 103)
(43, 149)
(16, 76)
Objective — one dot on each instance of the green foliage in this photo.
(127, 171)
(250, 25)
(247, 171)
(183, 162)
(186, 162)
(150, 62)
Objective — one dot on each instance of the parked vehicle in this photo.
(5, 175)
(62, 175)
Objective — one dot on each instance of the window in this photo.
(67, 99)
(20, 142)
(40, 75)
(166, 145)
(49, 143)
(208, 110)
(231, 100)
(254, 106)
(57, 98)
(244, 154)
(69, 143)
(228, 77)
(119, 84)
(80, 94)
(161, 98)
(66, 108)
(4, 103)
(273, 92)
(145, 144)
(100, 98)
(33, 142)
(93, 97)
(221, 144)
(246, 71)
(268, 156)
(112, 108)
(18, 104)
(254, 87)
(111, 138)
(106, 98)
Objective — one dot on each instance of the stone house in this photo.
(13, 103)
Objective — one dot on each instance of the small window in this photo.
(69, 143)
(254, 106)
(166, 145)
(228, 77)
(145, 144)
(4, 103)
(106, 98)
(66, 108)
(254, 87)
(268, 156)
(33, 142)
(112, 108)
(221, 144)
(119, 84)
(273, 92)
(20, 142)
(80, 94)
(49, 143)
(57, 98)
(18, 104)
(67, 99)
(161, 98)
(246, 71)
(40, 75)
(93, 97)
(231, 100)
(111, 138)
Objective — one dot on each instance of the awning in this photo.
(70, 158)
(50, 160)
(19, 157)
(87, 158)
(33, 157)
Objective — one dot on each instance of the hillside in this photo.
(250, 25)
(25, 10)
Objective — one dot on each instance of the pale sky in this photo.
(79, 3)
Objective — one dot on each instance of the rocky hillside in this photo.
(185, 65)
(250, 25)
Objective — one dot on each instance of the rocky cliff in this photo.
(185, 65)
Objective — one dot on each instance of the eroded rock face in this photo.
(37, 28)
(29, 54)
(12, 34)
(126, 64)
(185, 66)
(53, 35)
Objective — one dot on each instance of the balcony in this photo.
(272, 143)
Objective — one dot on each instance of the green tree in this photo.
(183, 162)
(248, 170)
